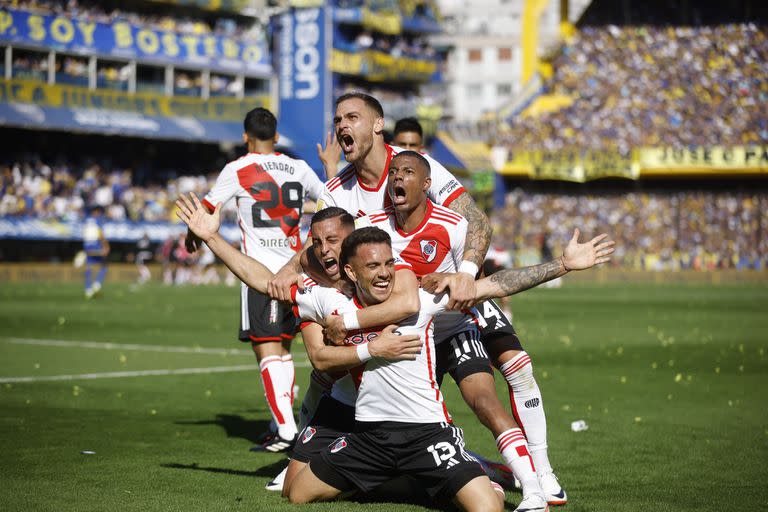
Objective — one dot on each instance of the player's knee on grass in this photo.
(294, 468)
(479, 392)
(307, 487)
(478, 496)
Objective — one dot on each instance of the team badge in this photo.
(428, 249)
(309, 432)
(339, 445)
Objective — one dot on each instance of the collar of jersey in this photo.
(383, 174)
(427, 215)
(259, 153)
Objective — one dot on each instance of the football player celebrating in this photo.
(360, 189)
(367, 260)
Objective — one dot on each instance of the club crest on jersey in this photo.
(339, 445)
(428, 249)
(309, 432)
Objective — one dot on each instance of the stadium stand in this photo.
(653, 86)
(660, 228)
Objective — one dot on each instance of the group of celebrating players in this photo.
(387, 302)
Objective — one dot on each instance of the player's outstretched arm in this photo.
(330, 155)
(388, 345)
(402, 303)
(577, 256)
(475, 247)
(206, 226)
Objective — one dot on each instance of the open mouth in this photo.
(381, 285)
(331, 266)
(346, 141)
(398, 195)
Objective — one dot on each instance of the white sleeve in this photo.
(308, 303)
(312, 184)
(445, 187)
(457, 241)
(325, 200)
(225, 188)
(363, 222)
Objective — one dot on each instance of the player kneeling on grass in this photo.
(402, 422)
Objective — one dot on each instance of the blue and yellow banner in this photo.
(69, 96)
(126, 41)
(580, 166)
(378, 66)
(61, 107)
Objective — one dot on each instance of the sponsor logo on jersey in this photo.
(533, 402)
(361, 337)
(428, 249)
(309, 432)
(339, 445)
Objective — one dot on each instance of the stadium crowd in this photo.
(654, 86)
(97, 12)
(654, 230)
(34, 188)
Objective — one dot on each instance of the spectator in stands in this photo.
(654, 86)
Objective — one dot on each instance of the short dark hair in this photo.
(418, 156)
(260, 123)
(332, 212)
(408, 124)
(369, 100)
(362, 236)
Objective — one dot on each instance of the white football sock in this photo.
(512, 446)
(290, 373)
(528, 407)
(278, 396)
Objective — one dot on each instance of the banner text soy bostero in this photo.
(124, 40)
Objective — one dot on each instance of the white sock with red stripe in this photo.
(512, 446)
(278, 396)
(290, 374)
(528, 407)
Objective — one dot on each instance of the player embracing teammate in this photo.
(435, 227)
(360, 189)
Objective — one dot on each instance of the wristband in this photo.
(469, 268)
(363, 353)
(350, 321)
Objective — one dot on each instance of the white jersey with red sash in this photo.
(435, 245)
(269, 190)
(348, 192)
(404, 391)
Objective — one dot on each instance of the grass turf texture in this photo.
(671, 381)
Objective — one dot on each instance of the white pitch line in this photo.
(128, 346)
(138, 373)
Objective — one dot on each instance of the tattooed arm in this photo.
(577, 256)
(475, 246)
(516, 280)
(478, 231)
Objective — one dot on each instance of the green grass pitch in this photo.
(672, 381)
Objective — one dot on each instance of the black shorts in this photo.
(432, 453)
(460, 356)
(264, 319)
(332, 420)
(496, 327)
